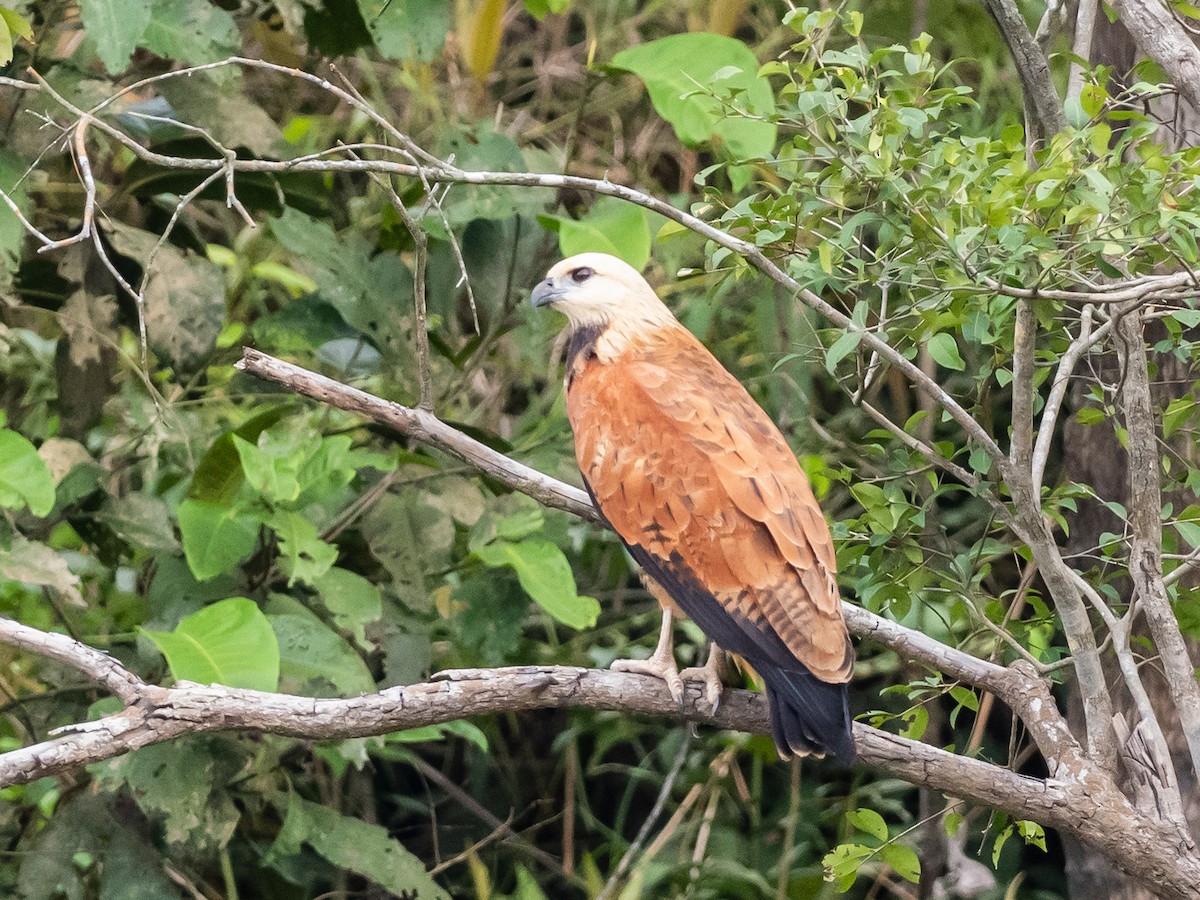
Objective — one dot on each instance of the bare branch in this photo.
(1087, 803)
(1042, 102)
(1058, 391)
(423, 426)
(100, 667)
(1145, 519)
(1085, 27)
(1024, 349)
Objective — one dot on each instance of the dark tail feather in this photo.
(809, 717)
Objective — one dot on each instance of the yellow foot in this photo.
(711, 674)
(660, 666)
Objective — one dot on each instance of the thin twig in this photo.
(660, 802)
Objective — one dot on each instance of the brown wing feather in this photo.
(685, 465)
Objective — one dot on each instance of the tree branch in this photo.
(1092, 808)
(1164, 40)
(100, 667)
(1042, 103)
(1145, 540)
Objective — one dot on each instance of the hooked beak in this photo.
(546, 293)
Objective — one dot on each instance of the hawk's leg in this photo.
(711, 674)
(661, 663)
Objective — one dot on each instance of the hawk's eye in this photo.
(580, 275)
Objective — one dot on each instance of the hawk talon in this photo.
(661, 663)
(664, 670)
(711, 674)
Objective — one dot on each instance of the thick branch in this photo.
(100, 667)
(1164, 40)
(1145, 539)
(1041, 99)
(1093, 809)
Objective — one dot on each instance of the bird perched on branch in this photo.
(709, 500)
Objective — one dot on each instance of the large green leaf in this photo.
(303, 555)
(356, 846)
(407, 29)
(191, 32)
(610, 226)
(24, 478)
(216, 536)
(682, 70)
(182, 783)
(218, 474)
(116, 26)
(312, 658)
(351, 600)
(545, 574)
(230, 643)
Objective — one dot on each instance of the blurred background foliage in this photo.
(157, 506)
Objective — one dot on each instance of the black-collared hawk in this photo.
(708, 498)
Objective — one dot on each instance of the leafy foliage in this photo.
(164, 507)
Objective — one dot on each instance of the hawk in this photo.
(706, 495)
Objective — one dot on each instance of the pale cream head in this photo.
(596, 289)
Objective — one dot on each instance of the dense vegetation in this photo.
(200, 524)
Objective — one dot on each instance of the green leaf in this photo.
(219, 474)
(407, 29)
(1177, 414)
(458, 728)
(216, 537)
(24, 478)
(944, 350)
(903, 859)
(305, 557)
(546, 576)
(539, 9)
(1001, 840)
(312, 658)
(31, 562)
(190, 32)
(6, 41)
(229, 642)
(1032, 832)
(964, 696)
(1187, 317)
(271, 470)
(356, 846)
(610, 226)
(679, 73)
(842, 863)
(116, 26)
(841, 348)
(12, 26)
(352, 601)
(183, 784)
(869, 822)
(141, 520)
